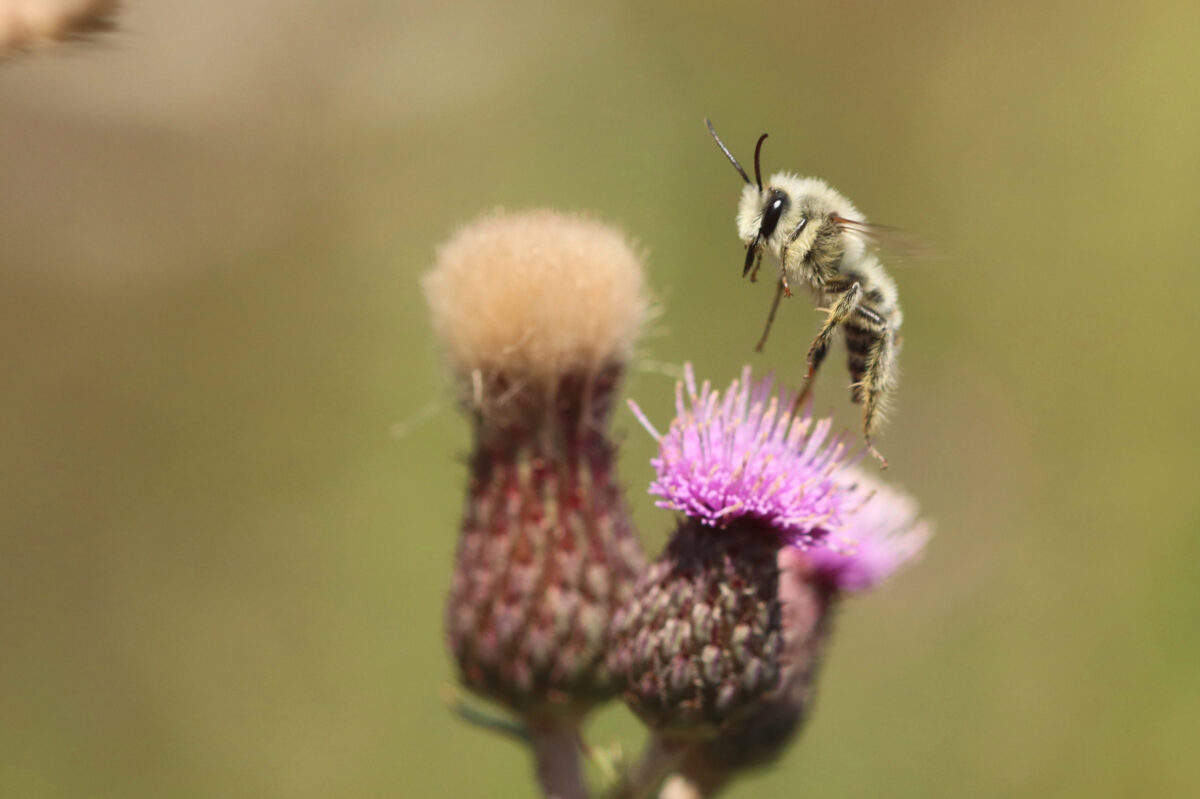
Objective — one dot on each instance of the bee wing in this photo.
(900, 245)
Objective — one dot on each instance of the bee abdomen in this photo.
(865, 330)
(860, 341)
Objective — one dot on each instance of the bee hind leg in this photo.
(875, 386)
(876, 454)
(819, 348)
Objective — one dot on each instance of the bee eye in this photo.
(777, 203)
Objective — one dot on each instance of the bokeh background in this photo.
(231, 471)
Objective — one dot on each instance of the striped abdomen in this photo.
(870, 336)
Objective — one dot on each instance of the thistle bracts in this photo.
(761, 737)
(701, 644)
(538, 313)
(546, 552)
(880, 537)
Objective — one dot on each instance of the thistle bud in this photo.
(538, 314)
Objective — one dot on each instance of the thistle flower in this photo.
(719, 650)
(743, 456)
(25, 24)
(878, 540)
(704, 643)
(538, 313)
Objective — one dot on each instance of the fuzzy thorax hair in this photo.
(536, 296)
(810, 198)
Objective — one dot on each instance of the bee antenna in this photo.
(757, 152)
(728, 154)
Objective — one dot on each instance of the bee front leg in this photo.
(757, 264)
(841, 310)
(762, 342)
(786, 254)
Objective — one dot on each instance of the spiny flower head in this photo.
(538, 313)
(879, 538)
(741, 455)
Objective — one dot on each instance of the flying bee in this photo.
(819, 239)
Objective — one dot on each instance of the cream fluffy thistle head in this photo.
(538, 313)
(535, 296)
(26, 24)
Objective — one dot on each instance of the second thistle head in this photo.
(538, 314)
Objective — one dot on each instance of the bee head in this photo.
(766, 206)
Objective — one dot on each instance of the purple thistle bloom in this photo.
(740, 455)
(720, 647)
(877, 540)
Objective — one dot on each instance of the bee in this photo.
(819, 239)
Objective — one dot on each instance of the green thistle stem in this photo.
(559, 766)
(659, 758)
(679, 787)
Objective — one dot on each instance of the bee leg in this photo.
(876, 454)
(770, 317)
(820, 346)
(786, 254)
(838, 314)
(875, 385)
(754, 269)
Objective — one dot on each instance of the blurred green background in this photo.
(225, 540)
